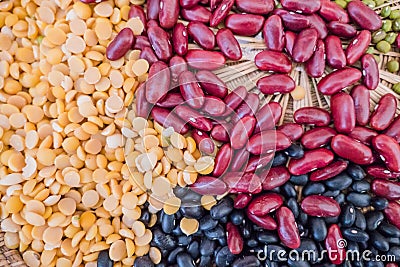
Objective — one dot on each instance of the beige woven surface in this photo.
(9, 257)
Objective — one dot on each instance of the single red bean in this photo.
(257, 163)
(191, 90)
(290, 39)
(287, 228)
(194, 118)
(389, 151)
(384, 113)
(267, 142)
(392, 213)
(357, 47)
(340, 29)
(169, 13)
(333, 169)
(370, 71)
(158, 83)
(361, 98)
(241, 201)
(264, 204)
(276, 84)
(143, 107)
(274, 177)
(394, 130)
(320, 206)
(207, 185)
(262, 7)
(292, 130)
(148, 54)
(378, 171)
(334, 244)
(212, 84)
(331, 11)
(205, 60)
(302, 6)
(334, 52)
(159, 40)
(222, 160)
(203, 141)
(266, 222)
(197, 13)
(360, 153)
(273, 32)
(234, 239)
(235, 98)
(180, 39)
(338, 80)
(312, 160)
(214, 106)
(384, 188)
(177, 65)
(242, 131)
(293, 21)
(315, 66)
(228, 44)
(398, 41)
(268, 116)
(141, 42)
(317, 137)
(167, 119)
(317, 23)
(363, 134)
(219, 133)
(364, 16)
(121, 44)
(221, 12)
(201, 34)
(305, 44)
(188, 3)
(312, 116)
(171, 100)
(239, 160)
(343, 112)
(153, 8)
(273, 61)
(137, 11)
(244, 24)
(249, 106)
(152, 23)
(243, 183)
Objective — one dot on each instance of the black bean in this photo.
(313, 189)
(303, 218)
(389, 230)
(252, 243)
(207, 223)
(360, 220)
(279, 159)
(356, 172)
(222, 208)
(177, 231)
(267, 237)
(207, 246)
(355, 234)
(307, 245)
(339, 182)
(331, 193)
(379, 241)
(163, 241)
(374, 219)
(299, 179)
(330, 220)
(293, 206)
(215, 233)
(180, 192)
(394, 240)
(295, 151)
(105, 261)
(297, 263)
(237, 217)
(167, 222)
(361, 186)
(190, 197)
(222, 241)
(303, 231)
(348, 215)
(145, 217)
(246, 230)
(288, 190)
(172, 256)
(359, 200)
(379, 203)
(143, 262)
(318, 229)
(205, 261)
(184, 260)
(193, 249)
(394, 252)
(192, 210)
(184, 240)
(247, 261)
(224, 257)
(340, 199)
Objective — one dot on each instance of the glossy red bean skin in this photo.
(274, 177)
(191, 90)
(361, 98)
(152, 23)
(293, 21)
(264, 204)
(384, 113)
(243, 183)
(337, 252)
(262, 7)
(394, 130)
(141, 42)
(235, 98)
(273, 61)
(180, 39)
(222, 160)
(143, 107)
(167, 119)
(208, 185)
(159, 40)
(340, 29)
(338, 80)
(268, 116)
(343, 112)
(320, 206)
(188, 3)
(121, 44)
(290, 39)
(268, 141)
(158, 83)
(287, 228)
(312, 160)
(370, 71)
(329, 171)
(194, 118)
(334, 52)
(318, 137)
(171, 100)
(205, 60)
(239, 160)
(304, 46)
(389, 150)
(312, 116)
(148, 54)
(392, 213)
(137, 11)
(363, 134)
(378, 171)
(169, 13)
(315, 66)
(306, 7)
(364, 16)
(292, 130)
(276, 84)
(333, 12)
(221, 12)
(177, 65)
(360, 153)
(212, 84)
(357, 47)
(317, 23)
(228, 44)
(203, 141)
(244, 24)
(259, 162)
(219, 133)
(242, 131)
(266, 222)
(384, 188)
(234, 239)
(197, 13)
(153, 8)
(273, 32)
(249, 106)
(241, 201)
(201, 34)
(213, 106)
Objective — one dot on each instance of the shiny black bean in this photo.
(360, 222)
(395, 251)
(105, 261)
(177, 231)
(361, 186)
(145, 217)
(222, 241)
(184, 260)
(163, 241)
(299, 179)
(192, 210)
(294, 151)
(331, 220)
(237, 217)
(279, 159)
(303, 218)
(318, 229)
(288, 190)
(359, 200)
(172, 256)
(394, 240)
(180, 192)
(193, 249)
(216, 233)
(331, 193)
(389, 230)
(207, 246)
(293, 206)
(339, 182)
(167, 222)
(252, 243)
(374, 219)
(379, 241)
(355, 234)
(313, 189)
(379, 203)
(267, 237)
(207, 223)
(191, 197)
(246, 230)
(205, 261)
(348, 215)
(340, 199)
(222, 209)
(184, 240)
(224, 257)
(356, 172)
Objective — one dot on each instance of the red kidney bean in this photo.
(194, 118)
(201, 34)
(392, 213)
(267, 142)
(177, 65)
(273, 32)
(171, 100)
(273, 61)
(158, 83)
(337, 250)
(268, 116)
(312, 160)
(343, 112)
(222, 160)
(384, 113)
(312, 116)
(370, 71)
(342, 29)
(256, 163)
(329, 171)
(148, 54)
(191, 90)
(357, 47)
(334, 52)
(203, 141)
(137, 11)
(394, 130)
(207, 185)
(276, 84)
(141, 42)
(239, 159)
(212, 84)
(274, 177)
(389, 150)
(242, 131)
(320, 206)
(121, 44)
(363, 134)
(317, 23)
(361, 98)
(241, 201)
(188, 3)
(391, 265)
(360, 153)
(243, 183)
(152, 23)
(167, 119)
(381, 172)
(338, 80)
(292, 130)
(221, 12)
(293, 21)
(180, 39)
(333, 12)
(264, 204)
(290, 39)
(287, 228)
(262, 7)
(235, 98)
(244, 24)
(159, 40)
(153, 8)
(387, 189)
(197, 13)
(266, 222)
(234, 239)
(317, 137)
(205, 60)
(228, 44)
(364, 16)
(214, 106)
(302, 6)
(315, 66)
(249, 106)
(304, 46)
(169, 13)
(143, 107)
(219, 133)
